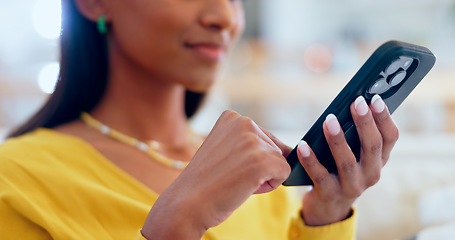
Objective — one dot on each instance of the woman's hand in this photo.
(237, 159)
(331, 197)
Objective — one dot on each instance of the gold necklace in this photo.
(150, 149)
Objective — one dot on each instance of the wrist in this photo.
(319, 214)
(171, 218)
(313, 221)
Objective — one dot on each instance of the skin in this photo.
(159, 48)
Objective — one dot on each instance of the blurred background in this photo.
(294, 57)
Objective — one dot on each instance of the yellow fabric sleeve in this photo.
(345, 229)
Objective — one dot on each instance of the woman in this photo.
(113, 140)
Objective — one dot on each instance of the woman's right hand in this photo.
(237, 159)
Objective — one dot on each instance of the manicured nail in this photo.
(304, 149)
(332, 124)
(361, 106)
(377, 103)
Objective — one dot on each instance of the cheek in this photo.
(240, 27)
(148, 32)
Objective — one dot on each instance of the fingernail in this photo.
(377, 103)
(332, 124)
(361, 106)
(304, 149)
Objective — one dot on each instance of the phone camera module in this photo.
(392, 76)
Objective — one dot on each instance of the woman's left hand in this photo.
(331, 198)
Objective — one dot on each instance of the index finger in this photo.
(285, 149)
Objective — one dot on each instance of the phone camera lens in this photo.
(379, 87)
(406, 62)
(402, 62)
(394, 66)
(398, 78)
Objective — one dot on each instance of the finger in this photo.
(249, 125)
(264, 188)
(285, 149)
(318, 173)
(274, 173)
(370, 138)
(348, 170)
(386, 126)
(270, 167)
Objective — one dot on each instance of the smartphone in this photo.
(392, 71)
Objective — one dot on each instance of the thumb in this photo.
(269, 186)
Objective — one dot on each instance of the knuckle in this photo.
(246, 124)
(348, 167)
(376, 147)
(321, 179)
(363, 122)
(373, 178)
(247, 145)
(229, 114)
(249, 137)
(382, 118)
(258, 157)
(394, 134)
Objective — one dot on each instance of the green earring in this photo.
(101, 24)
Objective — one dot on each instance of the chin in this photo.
(200, 88)
(200, 84)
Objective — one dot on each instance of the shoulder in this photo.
(36, 152)
(42, 159)
(35, 143)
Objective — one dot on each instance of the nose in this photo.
(221, 14)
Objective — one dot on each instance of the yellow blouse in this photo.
(54, 186)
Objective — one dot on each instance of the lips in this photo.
(208, 51)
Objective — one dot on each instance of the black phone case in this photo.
(366, 82)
